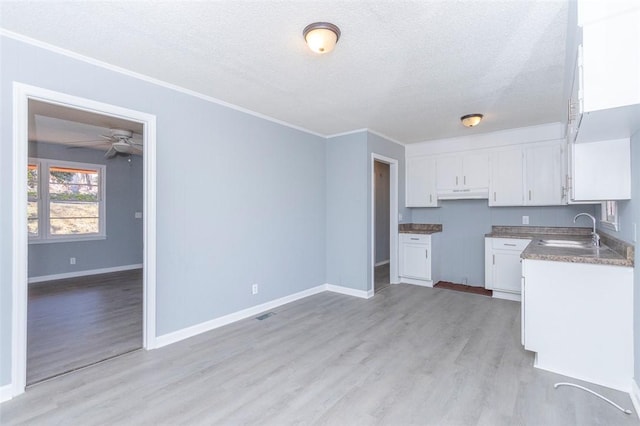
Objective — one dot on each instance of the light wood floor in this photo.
(410, 355)
(382, 277)
(76, 322)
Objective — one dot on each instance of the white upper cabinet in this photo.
(463, 175)
(610, 54)
(544, 175)
(421, 182)
(601, 171)
(507, 178)
(529, 175)
(605, 102)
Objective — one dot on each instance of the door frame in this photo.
(393, 218)
(22, 93)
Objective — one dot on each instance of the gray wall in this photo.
(381, 188)
(466, 221)
(346, 211)
(123, 245)
(241, 201)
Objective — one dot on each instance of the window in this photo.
(65, 201)
(609, 215)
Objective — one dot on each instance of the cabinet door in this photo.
(475, 170)
(544, 175)
(506, 178)
(421, 182)
(448, 172)
(415, 261)
(507, 271)
(601, 171)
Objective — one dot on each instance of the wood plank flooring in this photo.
(381, 277)
(76, 322)
(409, 356)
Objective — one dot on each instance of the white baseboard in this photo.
(635, 396)
(506, 296)
(421, 283)
(363, 294)
(75, 274)
(194, 330)
(384, 262)
(6, 392)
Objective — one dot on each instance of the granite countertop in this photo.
(611, 252)
(419, 228)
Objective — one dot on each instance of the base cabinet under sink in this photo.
(503, 266)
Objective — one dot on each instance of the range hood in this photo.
(463, 194)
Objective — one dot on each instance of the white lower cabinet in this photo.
(416, 259)
(503, 268)
(578, 318)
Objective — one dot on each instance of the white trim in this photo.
(412, 281)
(506, 296)
(146, 78)
(384, 262)
(365, 129)
(21, 95)
(203, 327)
(363, 294)
(635, 396)
(74, 274)
(393, 218)
(6, 392)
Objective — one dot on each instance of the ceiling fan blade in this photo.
(111, 153)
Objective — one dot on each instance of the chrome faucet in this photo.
(595, 238)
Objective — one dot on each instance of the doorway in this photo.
(73, 186)
(384, 222)
(381, 189)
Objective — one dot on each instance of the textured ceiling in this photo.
(405, 69)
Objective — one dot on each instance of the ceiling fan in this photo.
(122, 143)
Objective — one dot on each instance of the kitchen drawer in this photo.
(415, 238)
(509, 243)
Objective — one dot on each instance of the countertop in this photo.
(611, 252)
(419, 228)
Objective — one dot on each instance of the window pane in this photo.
(73, 201)
(74, 217)
(32, 182)
(67, 184)
(32, 218)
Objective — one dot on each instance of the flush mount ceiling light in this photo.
(321, 36)
(471, 120)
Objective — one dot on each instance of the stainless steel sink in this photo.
(587, 245)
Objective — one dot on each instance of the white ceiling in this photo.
(405, 69)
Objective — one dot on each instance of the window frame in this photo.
(607, 221)
(44, 236)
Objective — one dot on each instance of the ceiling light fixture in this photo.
(471, 120)
(321, 36)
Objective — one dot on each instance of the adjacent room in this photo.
(346, 212)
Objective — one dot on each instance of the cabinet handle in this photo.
(494, 196)
(464, 180)
(426, 253)
(430, 198)
(529, 195)
(456, 180)
(510, 245)
(415, 239)
(494, 259)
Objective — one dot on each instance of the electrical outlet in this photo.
(400, 217)
(254, 289)
(525, 220)
(72, 261)
(138, 215)
(464, 280)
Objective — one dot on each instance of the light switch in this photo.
(525, 220)
(138, 215)
(400, 216)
